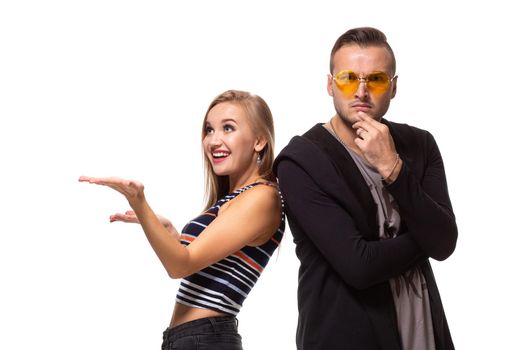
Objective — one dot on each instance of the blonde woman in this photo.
(221, 253)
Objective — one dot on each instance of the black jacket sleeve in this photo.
(424, 205)
(319, 219)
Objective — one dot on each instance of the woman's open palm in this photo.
(133, 190)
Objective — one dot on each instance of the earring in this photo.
(259, 160)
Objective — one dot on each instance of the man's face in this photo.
(362, 61)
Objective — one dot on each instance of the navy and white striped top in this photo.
(224, 285)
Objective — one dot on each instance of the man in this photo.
(368, 204)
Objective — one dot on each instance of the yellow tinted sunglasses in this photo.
(348, 82)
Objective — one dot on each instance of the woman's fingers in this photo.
(129, 188)
(106, 181)
(130, 218)
(85, 179)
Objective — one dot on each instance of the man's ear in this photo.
(394, 87)
(329, 85)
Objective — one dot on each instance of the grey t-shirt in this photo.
(409, 289)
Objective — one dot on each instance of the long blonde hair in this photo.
(261, 121)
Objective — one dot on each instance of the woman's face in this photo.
(230, 144)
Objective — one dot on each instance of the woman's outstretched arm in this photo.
(253, 215)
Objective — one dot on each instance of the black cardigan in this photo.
(344, 296)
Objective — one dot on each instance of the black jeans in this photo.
(211, 333)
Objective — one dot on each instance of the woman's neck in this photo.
(245, 179)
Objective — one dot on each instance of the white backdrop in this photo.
(120, 88)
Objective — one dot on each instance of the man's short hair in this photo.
(363, 37)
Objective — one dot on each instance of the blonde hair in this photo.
(261, 121)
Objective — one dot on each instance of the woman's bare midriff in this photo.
(183, 314)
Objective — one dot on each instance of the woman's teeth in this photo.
(219, 154)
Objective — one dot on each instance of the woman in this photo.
(220, 254)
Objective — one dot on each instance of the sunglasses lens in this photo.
(347, 82)
(378, 82)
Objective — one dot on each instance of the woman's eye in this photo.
(208, 130)
(228, 128)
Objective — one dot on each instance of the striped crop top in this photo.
(224, 285)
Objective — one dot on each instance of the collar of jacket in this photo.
(330, 165)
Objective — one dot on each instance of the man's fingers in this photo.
(365, 117)
(360, 143)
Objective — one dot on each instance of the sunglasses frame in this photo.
(366, 80)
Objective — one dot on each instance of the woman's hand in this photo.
(131, 189)
(130, 217)
(161, 234)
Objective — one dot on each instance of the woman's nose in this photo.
(215, 139)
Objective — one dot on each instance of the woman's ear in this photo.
(260, 143)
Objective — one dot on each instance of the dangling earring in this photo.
(259, 160)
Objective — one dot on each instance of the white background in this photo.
(121, 87)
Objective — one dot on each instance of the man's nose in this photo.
(362, 89)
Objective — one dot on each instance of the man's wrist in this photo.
(388, 173)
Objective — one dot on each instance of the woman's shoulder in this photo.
(260, 195)
(262, 190)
